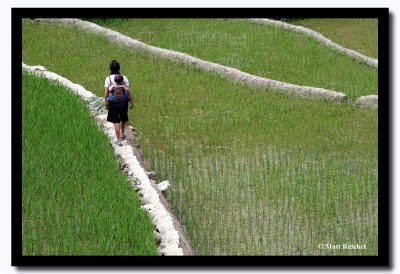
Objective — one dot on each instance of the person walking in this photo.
(117, 106)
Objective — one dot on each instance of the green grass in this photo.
(359, 34)
(253, 171)
(261, 50)
(75, 199)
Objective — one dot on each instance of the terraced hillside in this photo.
(261, 50)
(253, 171)
(75, 200)
(359, 34)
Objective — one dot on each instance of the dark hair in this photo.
(114, 67)
(118, 78)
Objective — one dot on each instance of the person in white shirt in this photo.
(117, 111)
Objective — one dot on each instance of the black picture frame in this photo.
(232, 262)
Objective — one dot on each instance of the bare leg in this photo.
(117, 128)
(122, 124)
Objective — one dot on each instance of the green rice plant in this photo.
(265, 51)
(253, 171)
(359, 34)
(75, 200)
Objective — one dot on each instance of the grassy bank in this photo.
(252, 171)
(265, 51)
(359, 34)
(75, 199)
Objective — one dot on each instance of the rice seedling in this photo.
(359, 34)
(75, 200)
(253, 172)
(261, 50)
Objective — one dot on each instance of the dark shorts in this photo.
(118, 114)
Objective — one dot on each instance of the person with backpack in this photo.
(117, 94)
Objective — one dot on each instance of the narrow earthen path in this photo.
(170, 235)
(320, 38)
(229, 72)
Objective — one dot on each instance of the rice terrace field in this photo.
(253, 171)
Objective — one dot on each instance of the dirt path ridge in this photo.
(320, 38)
(170, 235)
(229, 72)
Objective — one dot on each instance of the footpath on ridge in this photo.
(319, 38)
(370, 101)
(170, 235)
(229, 72)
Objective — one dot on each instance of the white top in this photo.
(107, 83)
